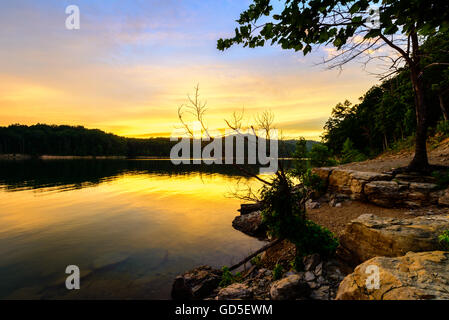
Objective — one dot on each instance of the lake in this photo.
(130, 226)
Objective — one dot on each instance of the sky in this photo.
(132, 64)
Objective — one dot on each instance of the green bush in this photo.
(443, 127)
(442, 178)
(227, 278)
(320, 156)
(285, 218)
(444, 240)
(313, 182)
(278, 271)
(350, 154)
(256, 261)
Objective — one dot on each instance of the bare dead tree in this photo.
(197, 109)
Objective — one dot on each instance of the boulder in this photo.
(311, 261)
(250, 224)
(443, 200)
(415, 276)
(369, 236)
(289, 288)
(246, 208)
(236, 291)
(323, 173)
(352, 182)
(401, 193)
(311, 205)
(196, 284)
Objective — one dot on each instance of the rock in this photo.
(246, 208)
(250, 224)
(309, 276)
(310, 204)
(338, 205)
(319, 269)
(196, 284)
(369, 236)
(414, 276)
(400, 193)
(415, 178)
(323, 173)
(235, 291)
(322, 293)
(385, 193)
(289, 288)
(180, 291)
(443, 200)
(352, 182)
(311, 261)
(411, 190)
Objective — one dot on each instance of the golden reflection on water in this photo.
(130, 235)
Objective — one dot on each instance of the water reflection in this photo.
(130, 226)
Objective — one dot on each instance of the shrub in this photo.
(444, 240)
(443, 128)
(442, 178)
(350, 154)
(313, 182)
(278, 271)
(284, 216)
(227, 278)
(256, 261)
(320, 156)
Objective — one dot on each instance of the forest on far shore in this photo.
(63, 140)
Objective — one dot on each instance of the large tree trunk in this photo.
(420, 161)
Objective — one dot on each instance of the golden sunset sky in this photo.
(133, 63)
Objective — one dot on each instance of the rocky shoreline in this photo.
(406, 252)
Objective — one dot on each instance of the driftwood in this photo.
(248, 258)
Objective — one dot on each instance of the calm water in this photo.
(130, 225)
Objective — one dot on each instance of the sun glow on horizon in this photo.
(127, 71)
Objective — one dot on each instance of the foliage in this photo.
(442, 178)
(320, 156)
(443, 128)
(300, 24)
(301, 153)
(385, 117)
(256, 261)
(350, 154)
(415, 30)
(64, 140)
(313, 182)
(444, 240)
(284, 216)
(227, 278)
(278, 271)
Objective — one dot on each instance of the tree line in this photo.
(63, 140)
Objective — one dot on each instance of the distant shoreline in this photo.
(54, 157)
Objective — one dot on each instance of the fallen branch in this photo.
(248, 258)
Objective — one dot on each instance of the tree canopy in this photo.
(347, 25)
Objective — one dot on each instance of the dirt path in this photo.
(389, 161)
(335, 219)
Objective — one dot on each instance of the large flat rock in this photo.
(415, 276)
(369, 236)
(383, 189)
